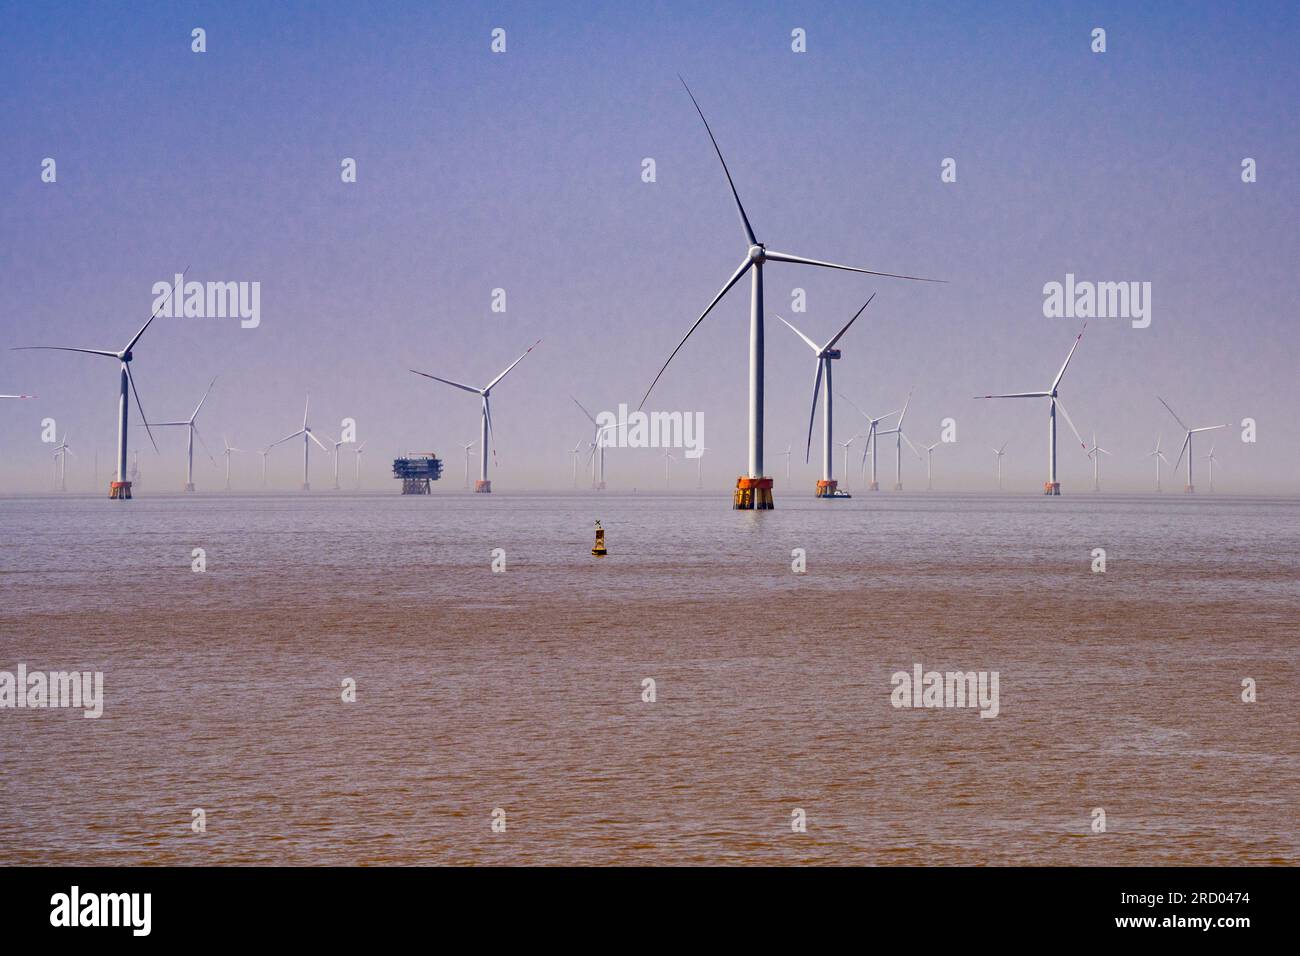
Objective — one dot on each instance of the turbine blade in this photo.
(1019, 395)
(1182, 450)
(911, 446)
(204, 398)
(812, 415)
(1207, 428)
(744, 267)
(490, 384)
(802, 260)
(284, 439)
(590, 417)
(199, 436)
(744, 220)
(854, 406)
(1082, 443)
(1175, 414)
(306, 405)
(811, 344)
(446, 381)
(130, 345)
(317, 441)
(57, 348)
(492, 438)
(138, 407)
(840, 334)
(903, 412)
(1061, 374)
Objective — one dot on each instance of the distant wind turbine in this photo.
(825, 355)
(899, 438)
(1187, 444)
(483, 484)
(307, 437)
(1159, 456)
(869, 448)
(229, 450)
(1052, 486)
(1211, 459)
(192, 429)
(1095, 453)
(754, 488)
(846, 445)
(668, 468)
(699, 468)
(598, 445)
(1000, 452)
(929, 465)
(466, 448)
(787, 452)
(576, 453)
(63, 450)
(357, 455)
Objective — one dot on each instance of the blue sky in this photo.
(522, 171)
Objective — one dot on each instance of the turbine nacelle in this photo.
(757, 253)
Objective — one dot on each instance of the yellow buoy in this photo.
(598, 549)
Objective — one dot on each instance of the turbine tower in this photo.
(1210, 458)
(1052, 486)
(229, 449)
(357, 453)
(577, 451)
(845, 445)
(193, 430)
(120, 488)
(307, 437)
(869, 448)
(754, 488)
(668, 468)
(899, 438)
(264, 452)
(929, 465)
(787, 451)
(336, 461)
(62, 450)
(598, 475)
(483, 485)
(1159, 456)
(467, 448)
(1000, 452)
(826, 487)
(1095, 453)
(1187, 445)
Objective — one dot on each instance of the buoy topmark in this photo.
(598, 549)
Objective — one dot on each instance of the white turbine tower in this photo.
(1095, 453)
(264, 452)
(598, 445)
(846, 445)
(576, 453)
(699, 468)
(483, 485)
(1052, 486)
(825, 355)
(336, 461)
(669, 458)
(788, 449)
(929, 465)
(229, 450)
(466, 449)
(307, 438)
(869, 448)
(754, 488)
(1187, 444)
(1159, 456)
(1000, 452)
(357, 454)
(62, 450)
(120, 488)
(899, 438)
(192, 430)
(1211, 459)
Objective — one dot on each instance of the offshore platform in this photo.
(417, 471)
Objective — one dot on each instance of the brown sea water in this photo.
(522, 690)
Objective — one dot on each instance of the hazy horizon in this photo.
(522, 171)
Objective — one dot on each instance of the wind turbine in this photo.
(787, 462)
(873, 425)
(307, 436)
(1159, 456)
(845, 445)
(229, 449)
(929, 465)
(357, 453)
(193, 430)
(264, 452)
(63, 450)
(668, 468)
(1052, 486)
(825, 355)
(575, 453)
(1187, 445)
(899, 438)
(467, 448)
(119, 489)
(598, 470)
(754, 488)
(336, 462)
(1095, 453)
(483, 485)
(1211, 459)
(699, 468)
(1000, 452)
